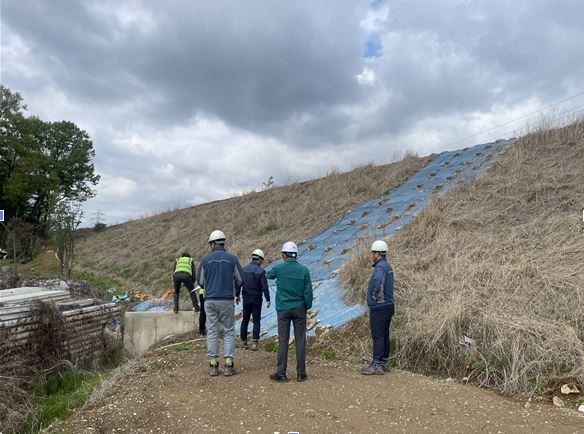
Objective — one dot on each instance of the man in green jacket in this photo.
(293, 299)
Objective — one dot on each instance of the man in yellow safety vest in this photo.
(184, 274)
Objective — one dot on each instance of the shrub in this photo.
(59, 395)
(329, 354)
(99, 227)
(271, 346)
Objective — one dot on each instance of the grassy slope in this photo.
(498, 260)
(501, 261)
(140, 254)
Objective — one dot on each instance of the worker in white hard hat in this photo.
(220, 275)
(293, 299)
(255, 285)
(381, 308)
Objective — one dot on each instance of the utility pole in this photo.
(98, 216)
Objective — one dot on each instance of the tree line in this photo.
(46, 172)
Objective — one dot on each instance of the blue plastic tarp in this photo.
(329, 250)
(326, 252)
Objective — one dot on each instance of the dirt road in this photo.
(170, 391)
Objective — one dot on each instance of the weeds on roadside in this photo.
(271, 346)
(329, 354)
(59, 395)
(39, 382)
(183, 346)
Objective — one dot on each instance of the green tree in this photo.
(10, 103)
(11, 143)
(63, 222)
(42, 165)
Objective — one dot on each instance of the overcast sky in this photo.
(189, 101)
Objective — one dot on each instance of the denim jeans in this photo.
(220, 315)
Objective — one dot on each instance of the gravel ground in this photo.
(169, 390)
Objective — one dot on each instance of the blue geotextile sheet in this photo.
(326, 252)
(151, 305)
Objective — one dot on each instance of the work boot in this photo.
(214, 369)
(373, 369)
(278, 378)
(254, 345)
(245, 345)
(229, 370)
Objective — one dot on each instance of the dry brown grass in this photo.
(351, 342)
(23, 367)
(16, 381)
(140, 254)
(499, 260)
(47, 347)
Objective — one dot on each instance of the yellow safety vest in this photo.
(183, 264)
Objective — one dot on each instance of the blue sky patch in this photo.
(372, 47)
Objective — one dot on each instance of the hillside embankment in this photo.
(488, 293)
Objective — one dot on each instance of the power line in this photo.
(516, 119)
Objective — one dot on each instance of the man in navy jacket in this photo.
(381, 308)
(220, 275)
(255, 284)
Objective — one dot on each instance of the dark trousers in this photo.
(202, 315)
(379, 321)
(185, 279)
(254, 310)
(296, 316)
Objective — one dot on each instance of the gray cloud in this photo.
(255, 68)
(170, 91)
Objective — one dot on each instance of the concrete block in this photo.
(143, 329)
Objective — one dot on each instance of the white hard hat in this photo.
(379, 246)
(290, 247)
(216, 236)
(258, 252)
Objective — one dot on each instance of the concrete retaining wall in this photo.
(143, 329)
